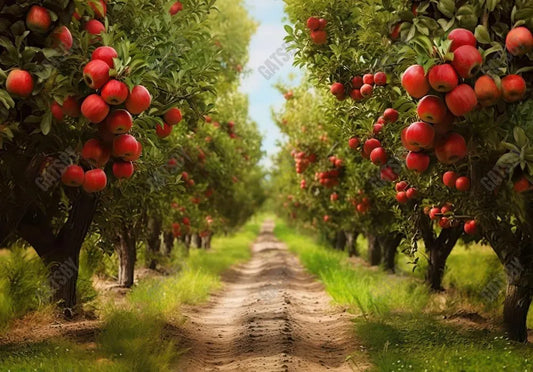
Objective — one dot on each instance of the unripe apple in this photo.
(417, 161)
(461, 100)
(123, 169)
(449, 179)
(125, 146)
(462, 184)
(519, 41)
(96, 74)
(38, 19)
(380, 78)
(460, 37)
(94, 27)
(450, 149)
(414, 81)
(61, 37)
(114, 92)
(487, 92)
(119, 122)
(420, 135)
(378, 156)
(390, 115)
(467, 61)
(139, 100)
(357, 82)
(95, 181)
(175, 8)
(57, 111)
(443, 78)
(366, 90)
(313, 23)
(73, 176)
(368, 79)
(106, 54)
(513, 88)
(71, 107)
(173, 117)
(94, 108)
(431, 109)
(163, 131)
(319, 37)
(19, 83)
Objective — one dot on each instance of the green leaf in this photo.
(447, 7)
(482, 34)
(520, 137)
(491, 5)
(46, 123)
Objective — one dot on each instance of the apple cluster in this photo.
(361, 87)
(328, 179)
(404, 193)
(361, 202)
(317, 27)
(302, 160)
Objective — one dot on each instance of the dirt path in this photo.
(271, 316)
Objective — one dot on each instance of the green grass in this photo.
(397, 319)
(133, 337)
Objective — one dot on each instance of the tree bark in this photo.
(374, 250)
(197, 240)
(515, 309)
(340, 241)
(389, 245)
(206, 241)
(153, 241)
(60, 253)
(168, 240)
(351, 243)
(127, 255)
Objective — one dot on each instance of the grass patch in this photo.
(398, 327)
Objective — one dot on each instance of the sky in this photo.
(258, 82)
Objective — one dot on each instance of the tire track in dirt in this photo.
(270, 316)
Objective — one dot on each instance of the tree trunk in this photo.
(351, 243)
(187, 241)
(340, 241)
(168, 240)
(515, 309)
(61, 253)
(197, 239)
(127, 255)
(206, 241)
(153, 241)
(374, 250)
(389, 245)
(439, 250)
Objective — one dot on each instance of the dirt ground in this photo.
(270, 316)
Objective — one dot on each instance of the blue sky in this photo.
(262, 95)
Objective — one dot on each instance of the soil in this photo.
(270, 316)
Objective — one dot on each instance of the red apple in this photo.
(406, 144)
(334, 197)
(414, 81)
(96, 74)
(312, 23)
(139, 100)
(388, 174)
(94, 27)
(451, 149)
(368, 79)
(431, 109)
(449, 179)
(401, 186)
(95, 181)
(519, 41)
(412, 193)
(357, 82)
(417, 161)
(106, 54)
(461, 100)
(137, 155)
(377, 128)
(57, 111)
(94, 108)
(522, 185)
(462, 184)
(356, 95)
(443, 78)
(513, 88)
(322, 23)
(125, 146)
(61, 37)
(94, 152)
(353, 142)
(371, 144)
(460, 37)
(378, 156)
(71, 107)
(445, 223)
(326, 218)
(433, 213)
(467, 61)
(73, 176)
(99, 8)
(366, 90)
(445, 126)
(390, 115)
(19, 83)
(380, 78)
(175, 8)
(487, 92)
(123, 169)
(401, 197)
(420, 135)
(114, 92)
(470, 227)
(173, 116)
(38, 19)
(337, 89)
(119, 122)
(319, 37)
(163, 131)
